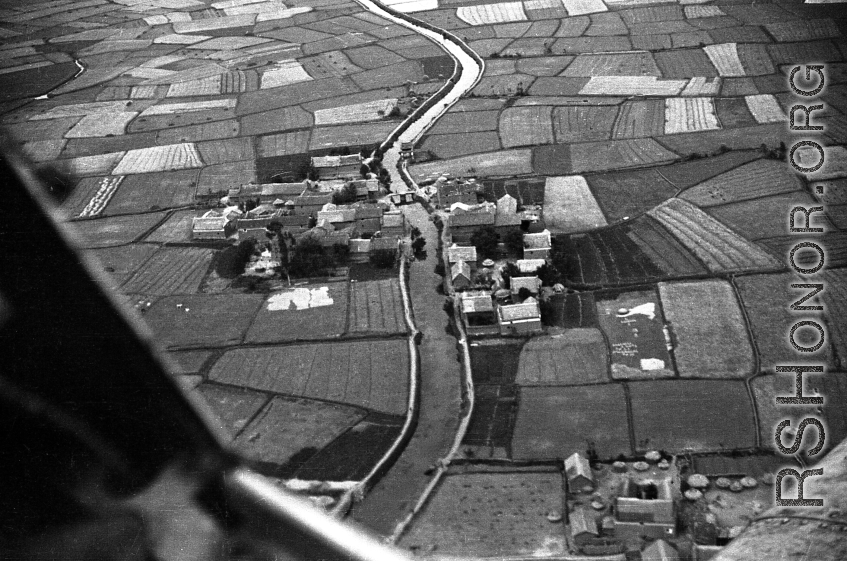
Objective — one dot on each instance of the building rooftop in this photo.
(461, 253)
(533, 284)
(541, 240)
(477, 303)
(460, 268)
(528, 309)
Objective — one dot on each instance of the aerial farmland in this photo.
(547, 323)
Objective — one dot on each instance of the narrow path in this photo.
(440, 396)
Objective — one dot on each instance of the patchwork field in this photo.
(759, 178)
(288, 430)
(370, 374)
(569, 205)
(765, 217)
(830, 384)
(495, 361)
(301, 314)
(708, 329)
(633, 323)
(235, 407)
(577, 356)
(466, 519)
(678, 415)
(121, 262)
(202, 320)
(570, 310)
(630, 193)
(171, 270)
(116, 230)
(555, 422)
(376, 307)
(721, 249)
(767, 300)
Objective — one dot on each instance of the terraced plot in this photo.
(116, 230)
(302, 314)
(721, 249)
(502, 163)
(159, 158)
(101, 190)
(630, 193)
(492, 13)
(376, 307)
(153, 191)
(369, 374)
(171, 270)
(766, 217)
(663, 411)
(639, 119)
(577, 356)
(663, 250)
(760, 178)
(235, 407)
(617, 154)
(708, 329)
(121, 262)
(613, 64)
(687, 114)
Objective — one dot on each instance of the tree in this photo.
(514, 242)
(485, 240)
(310, 259)
(244, 251)
(524, 293)
(383, 258)
(548, 274)
(345, 195)
(416, 232)
(509, 271)
(364, 170)
(418, 245)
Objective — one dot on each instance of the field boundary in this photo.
(362, 487)
(443, 464)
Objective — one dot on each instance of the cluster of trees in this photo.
(547, 273)
(485, 241)
(418, 243)
(345, 195)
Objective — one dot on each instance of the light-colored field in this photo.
(376, 307)
(409, 6)
(172, 108)
(581, 7)
(721, 249)
(226, 22)
(569, 205)
(703, 11)
(526, 126)
(492, 13)
(210, 85)
(105, 191)
(492, 514)
(284, 73)
(577, 356)
(370, 374)
(504, 162)
(765, 108)
(101, 124)
(172, 270)
(724, 57)
(690, 114)
(159, 158)
(359, 134)
(100, 164)
(355, 113)
(632, 85)
(286, 426)
(710, 333)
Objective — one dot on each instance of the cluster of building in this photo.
(366, 223)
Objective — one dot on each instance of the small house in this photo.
(211, 226)
(645, 509)
(583, 526)
(270, 192)
(463, 226)
(405, 198)
(461, 253)
(537, 246)
(507, 217)
(578, 472)
(310, 205)
(366, 189)
(529, 266)
(335, 167)
(368, 219)
(478, 314)
(520, 319)
(359, 249)
(454, 191)
(659, 550)
(394, 225)
(244, 193)
(705, 552)
(339, 216)
(460, 275)
(531, 284)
